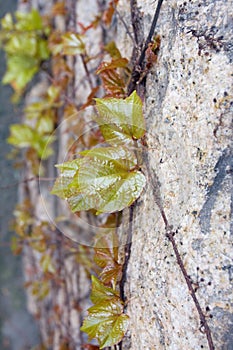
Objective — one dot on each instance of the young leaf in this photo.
(105, 181)
(40, 289)
(112, 49)
(107, 323)
(111, 274)
(47, 264)
(121, 120)
(7, 22)
(55, 43)
(115, 63)
(93, 25)
(121, 156)
(25, 45)
(23, 135)
(28, 21)
(107, 256)
(113, 82)
(109, 12)
(100, 293)
(105, 320)
(20, 70)
(72, 44)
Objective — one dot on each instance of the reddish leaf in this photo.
(115, 63)
(113, 83)
(90, 347)
(152, 51)
(106, 257)
(90, 97)
(109, 12)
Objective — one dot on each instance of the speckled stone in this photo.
(188, 111)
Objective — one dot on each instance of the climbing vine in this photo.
(96, 179)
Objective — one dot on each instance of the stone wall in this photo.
(188, 111)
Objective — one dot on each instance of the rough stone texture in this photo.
(188, 111)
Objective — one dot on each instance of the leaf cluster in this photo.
(35, 133)
(107, 179)
(101, 179)
(107, 254)
(106, 320)
(114, 74)
(23, 39)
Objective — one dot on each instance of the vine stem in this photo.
(170, 234)
(204, 324)
(138, 67)
(151, 32)
(127, 252)
(83, 58)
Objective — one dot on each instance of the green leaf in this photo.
(42, 49)
(47, 264)
(68, 170)
(23, 43)
(7, 22)
(53, 94)
(45, 107)
(20, 70)
(110, 184)
(40, 289)
(105, 180)
(72, 44)
(121, 120)
(100, 293)
(107, 323)
(42, 145)
(22, 135)
(45, 124)
(121, 156)
(35, 109)
(105, 320)
(28, 21)
(112, 49)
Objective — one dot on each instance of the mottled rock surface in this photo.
(188, 110)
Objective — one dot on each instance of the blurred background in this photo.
(17, 328)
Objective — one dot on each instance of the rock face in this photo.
(188, 111)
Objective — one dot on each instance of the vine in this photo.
(96, 179)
